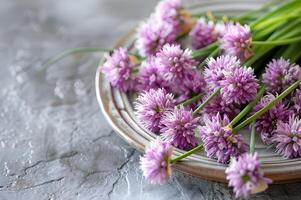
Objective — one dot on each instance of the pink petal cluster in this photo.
(297, 101)
(153, 35)
(267, 123)
(119, 70)
(151, 106)
(155, 163)
(245, 176)
(168, 11)
(175, 63)
(192, 85)
(150, 76)
(237, 41)
(219, 143)
(239, 85)
(219, 105)
(288, 138)
(203, 33)
(217, 68)
(179, 128)
(280, 74)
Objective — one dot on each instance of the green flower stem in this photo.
(186, 154)
(248, 108)
(291, 52)
(205, 51)
(214, 94)
(212, 54)
(252, 139)
(286, 8)
(275, 20)
(74, 51)
(281, 34)
(277, 42)
(191, 100)
(267, 107)
(256, 11)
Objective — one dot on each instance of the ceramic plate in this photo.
(118, 110)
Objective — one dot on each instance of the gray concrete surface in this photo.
(54, 141)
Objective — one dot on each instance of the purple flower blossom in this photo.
(217, 68)
(245, 177)
(150, 76)
(153, 35)
(219, 105)
(266, 124)
(297, 100)
(175, 63)
(239, 85)
(288, 138)
(220, 28)
(280, 74)
(169, 12)
(203, 34)
(119, 70)
(155, 163)
(237, 41)
(219, 143)
(180, 128)
(192, 85)
(151, 106)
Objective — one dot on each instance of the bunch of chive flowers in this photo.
(201, 79)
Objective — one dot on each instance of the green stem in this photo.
(267, 107)
(275, 20)
(252, 139)
(284, 9)
(254, 12)
(186, 154)
(212, 54)
(277, 42)
(73, 51)
(291, 52)
(248, 108)
(191, 100)
(205, 51)
(214, 94)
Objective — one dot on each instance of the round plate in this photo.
(118, 110)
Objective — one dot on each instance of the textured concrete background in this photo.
(54, 141)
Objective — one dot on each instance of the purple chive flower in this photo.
(266, 124)
(175, 63)
(219, 105)
(219, 143)
(119, 69)
(220, 28)
(217, 68)
(237, 41)
(153, 35)
(245, 176)
(280, 74)
(192, 85)
(155, 163)
(203, 34)
(151, 106)
(297, 100)
(150, 76)
(179, 128)
(169, 12)
(239, 85)
(288, 138)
